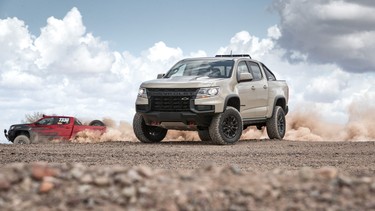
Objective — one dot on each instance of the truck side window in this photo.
(46, 121)
(63, 121)
(242, 68)
(255, 69)
(269, 74)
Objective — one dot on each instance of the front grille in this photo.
(171, 99)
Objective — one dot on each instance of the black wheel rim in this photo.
(230, 127)
(281, 124)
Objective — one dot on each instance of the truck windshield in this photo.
(209, 68)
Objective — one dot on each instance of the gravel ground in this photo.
(251, 175)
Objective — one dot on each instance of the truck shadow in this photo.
(183, 143)
(240, 142)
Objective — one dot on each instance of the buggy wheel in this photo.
(22, 139)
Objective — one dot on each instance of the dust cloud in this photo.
(115, 132)
(302, 125)
(310, 126)
(124, 132)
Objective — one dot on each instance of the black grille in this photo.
(171, 99)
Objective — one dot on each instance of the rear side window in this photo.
(255, 69)
(63, 121)
(269, 74)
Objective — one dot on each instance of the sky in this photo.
(87, 58)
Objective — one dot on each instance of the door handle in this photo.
(253, 87)
(265, 87)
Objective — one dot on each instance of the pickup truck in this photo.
(50, 128)
(216, 96)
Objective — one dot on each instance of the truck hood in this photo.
(182, 82)
(19, 126)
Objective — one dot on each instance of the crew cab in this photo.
(50, 128)
(216, 96)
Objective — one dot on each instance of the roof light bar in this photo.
(234, 55)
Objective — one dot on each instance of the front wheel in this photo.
(22, 139)
(276, 125)
(226, 127)
(146, 133)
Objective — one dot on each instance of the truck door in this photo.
(260, 88)
(53, 128)
(64, 127)
(44, 128)
(254, 93)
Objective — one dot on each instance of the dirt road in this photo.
(251, 175)
(355, 158)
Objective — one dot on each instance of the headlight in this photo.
(11, 127)
(207, 92)
(142, 93)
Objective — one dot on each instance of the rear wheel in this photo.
(96, 123)
(22, 139)
(204, 135)
(146, 133)
(276, 125)
(226, 127)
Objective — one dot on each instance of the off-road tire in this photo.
(276, 125)
(22, 139)
(96, 123)
(226, 128)
(204, 135)
(146, 133)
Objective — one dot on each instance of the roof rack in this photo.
(234, 55)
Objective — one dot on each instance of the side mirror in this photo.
(245, 77)
(160, 76)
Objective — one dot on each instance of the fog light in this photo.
(204, 107)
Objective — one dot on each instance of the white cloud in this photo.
(244, 42)
(20, 80)
(161, 52)
(333, 31)
(63, 44)
(274, 32)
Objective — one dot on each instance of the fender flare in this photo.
(230, 96)
(284, 106)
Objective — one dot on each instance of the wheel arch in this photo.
(233, 101)
(22, 132)
(280, 101)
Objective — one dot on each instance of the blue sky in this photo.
(136, 25)
(87, 58)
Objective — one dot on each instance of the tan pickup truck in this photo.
(216, 96)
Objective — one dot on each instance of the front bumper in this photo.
(178, 111)
(5, 134)
(178, 120)
(9, 135)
